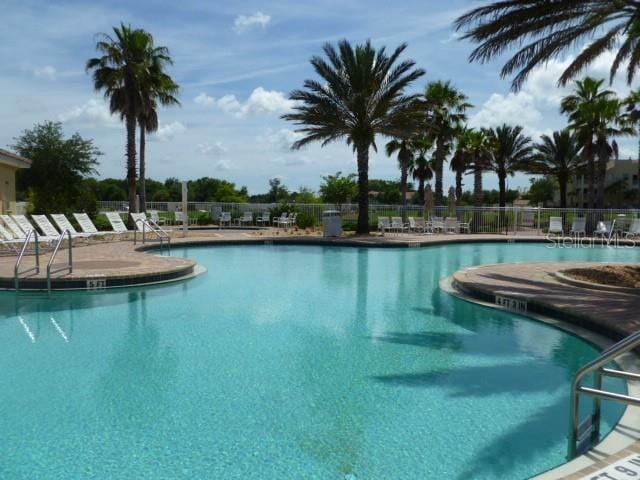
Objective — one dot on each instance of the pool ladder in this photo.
(582, 436)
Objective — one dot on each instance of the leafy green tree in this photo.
(208, 189)
(557, 156)
(446, 109)
(632, 104)
(385, 192)
(511, 150)
(338, 189)
(541, 30)
(119, 72)
(361, 94)
(304, 195)
(156, 87)
(278, 192)
(55, 179)
(541, 190)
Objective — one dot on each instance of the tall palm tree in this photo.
(480, 148)
(557, 156)
(541, 30)
(405, 161)
(156, 87)
(446, 112)
(632, 104)
(585, 108)
(460, 160)
(511, 149)
(421, 169)
(361, 95)
(119, 72)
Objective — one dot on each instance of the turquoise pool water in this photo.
(289, 362)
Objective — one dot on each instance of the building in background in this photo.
(621, 186)
(9, 164)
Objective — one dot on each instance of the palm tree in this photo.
(362, 94)
(421, 169)
(445, 107)
(405, 161)
(460, 160)
(632, 104)
(542, 30)
(585, 108)
(119, 72)
(511, 150)
(480, 150)
(557, 156)
(157, 87)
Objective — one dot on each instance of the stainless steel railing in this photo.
(583, 435)
(150, 225)
(68, 266)
(16, 269)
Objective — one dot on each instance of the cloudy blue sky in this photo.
(236, 62)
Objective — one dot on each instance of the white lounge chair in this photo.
(116, 222)
(16, 231)
(155, 217)
(264, 219)
(224, 219)
(579, 227)
(603, 229)
(634, 228)
(85, 223)
(26, 226)
(451, 225)
(437, 224)
(246, 218)
(464, 227)
(417, 224)
(63, 223)
(555, 226)
(45, 225)
(383, 224)
(398, 225)
(291, 221)
(139, 220)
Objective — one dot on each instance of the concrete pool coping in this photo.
(485, 286)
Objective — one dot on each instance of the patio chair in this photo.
(154, 215)
(264, 219)
(437, 224)
(383, 224)
(116, 222)
(45, 225)
(451, 225)
(26, 227)
(63, 223)
(16, 231)
(603, 229)
(180, 218)
(246, 218)
(85, 223)
(398, 225)
(291, 221)
(417, 224)
(138, 220)
(634, 228)
(224, 218)
(281, 220)
(579, 227)
(464, 227)
(555, 226)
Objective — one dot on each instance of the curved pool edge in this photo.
(624, 434)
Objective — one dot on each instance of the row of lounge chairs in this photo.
(449, 225)
(264, 219)
(14, 229)
(603, 228)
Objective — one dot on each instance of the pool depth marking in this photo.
(628, 467)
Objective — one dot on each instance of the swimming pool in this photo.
(289, 362)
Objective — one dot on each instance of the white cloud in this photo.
(204, 100)
(245, 22)
(47, 72)
(280, 140)
(259, 101)
(213, 149)
(223, 165)
(169, 131)
(94, 113)
(513, 108)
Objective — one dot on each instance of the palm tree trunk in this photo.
(638, 172)
(602, 174)
(403, 188)
(562, 184)
(143, 189)
(502, 185)
(363, 190)
(438, 165)
(477, 199)
(591, 175)
(459, 185)
(131, 164)
(421, 190)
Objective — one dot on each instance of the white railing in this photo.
(505, 220)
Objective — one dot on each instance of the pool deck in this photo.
(606, 313)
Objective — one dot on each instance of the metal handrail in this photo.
(16, 268)
(155, 228)
(597, 367)
(69, 266)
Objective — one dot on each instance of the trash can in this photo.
(332, 223)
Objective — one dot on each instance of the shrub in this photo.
(305, 220)
(101, 222)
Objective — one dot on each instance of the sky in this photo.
(236, 62)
